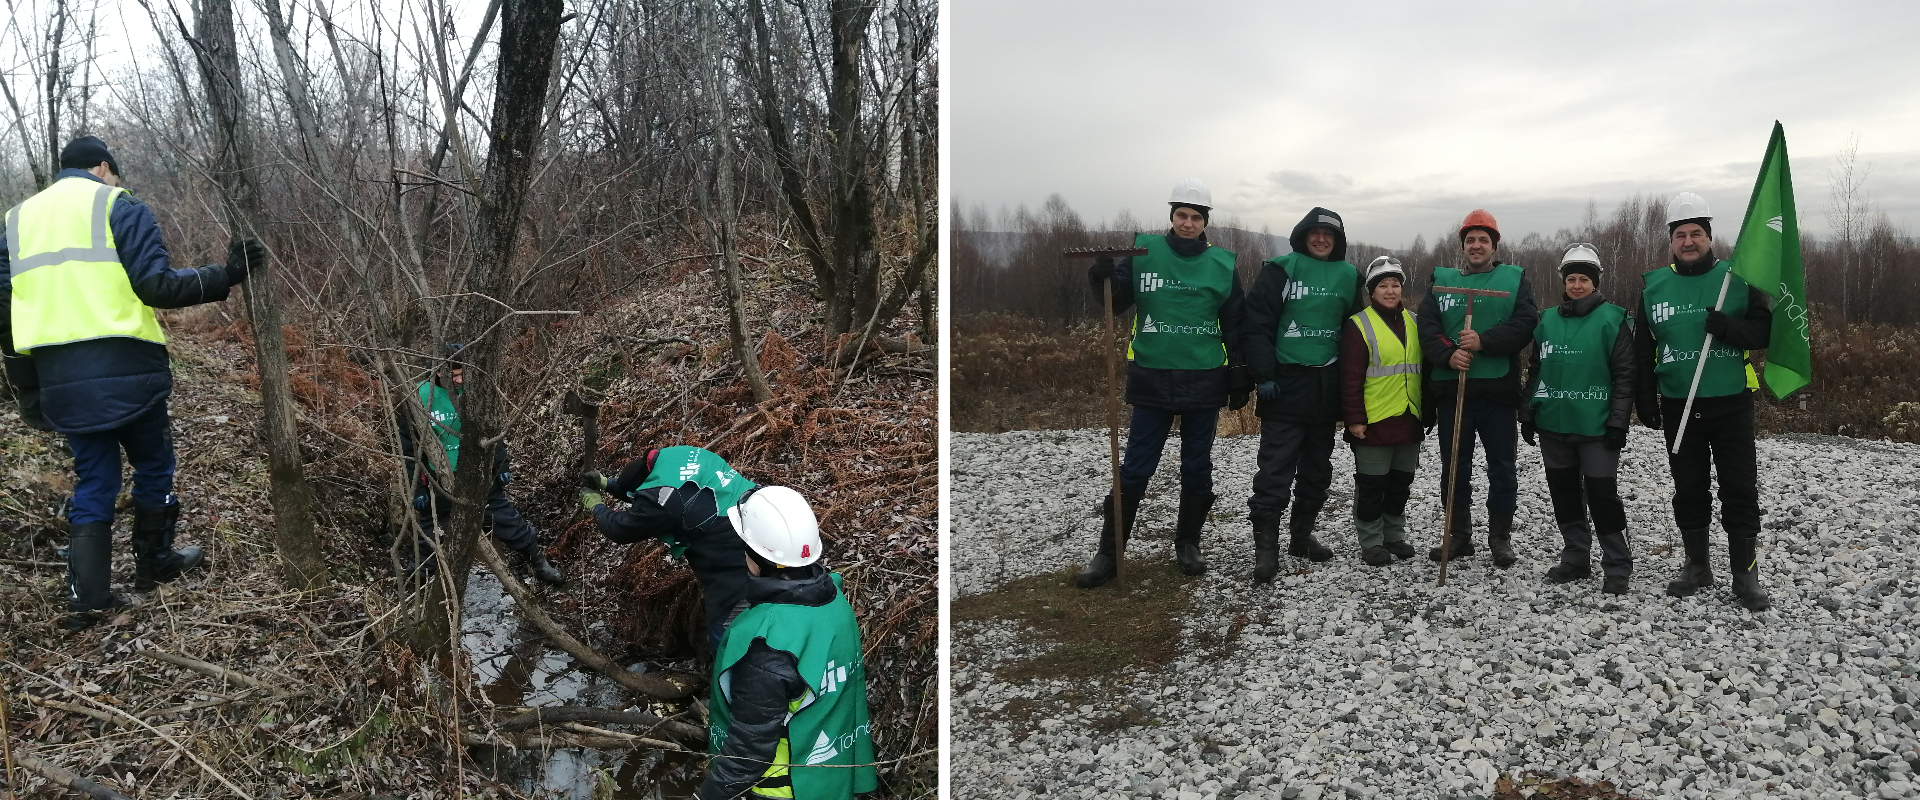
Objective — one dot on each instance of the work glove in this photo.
(590, 498)
(1717, 324)
(1101, 271)
(242, 256)
(1616, 438)
(1269, 390)
(503, 477)
(1528, 430)
(592, 479)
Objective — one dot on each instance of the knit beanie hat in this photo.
(87, 152)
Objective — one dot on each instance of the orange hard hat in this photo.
(1479, 218)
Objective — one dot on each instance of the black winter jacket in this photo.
(715, 553)
(1307, 394)
(1504, 340)
(1620, 365)
(762, 683)
(1177, 389)
(1750, 332)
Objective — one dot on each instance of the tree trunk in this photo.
(853, 294)
(295, 532)
(723, 210)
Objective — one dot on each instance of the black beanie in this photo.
(1205, 213)
(87, 152)
(1587, 268)
(1706, 224)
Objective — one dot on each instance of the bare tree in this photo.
(1848, 215)
(722, 213)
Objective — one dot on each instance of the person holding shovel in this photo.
(1382, 401)
(1679, 306)
(1179, 364)
(1291, 341)
(1579, 400)
(1487, 357)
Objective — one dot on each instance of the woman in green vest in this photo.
(1381, 399)
(1580, 397)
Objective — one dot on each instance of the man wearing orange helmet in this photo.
(1487, 357)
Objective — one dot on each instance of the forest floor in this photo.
(224, 684)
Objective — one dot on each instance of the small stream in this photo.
(514, 667)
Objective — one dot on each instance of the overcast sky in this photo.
(1404, 116)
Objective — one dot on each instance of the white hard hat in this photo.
(1581, 253)
(777, 523)
(1686, 206)
(1191, 192)
(1384, 266)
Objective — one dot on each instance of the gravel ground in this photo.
(1360, 682)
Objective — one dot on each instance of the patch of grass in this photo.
(1534, 784)
(1094, 633)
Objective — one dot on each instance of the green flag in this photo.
(1767, 257)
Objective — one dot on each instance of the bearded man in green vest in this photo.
(1487, 357)
(83, 269)
(787, 712)
(1579, 401)
(1179, 364)
(1678, 308)
(434, 508)
(1291, 341)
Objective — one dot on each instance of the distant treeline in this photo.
(1011, 263)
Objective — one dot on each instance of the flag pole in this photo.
(1700, 366)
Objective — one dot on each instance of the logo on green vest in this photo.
(1778, 224)
(1661, 312)
(1448, 300)
(1591, 393)
(831, 679)
(1294, 331)
(1150, 281)
(1149, 326)
(1548, 349)
(823, 750)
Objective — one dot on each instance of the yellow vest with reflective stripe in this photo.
(68, 283)
(1393, 367)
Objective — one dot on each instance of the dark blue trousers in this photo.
(509, 527)
(1147, 436)
(1498, 428)
(148, 442)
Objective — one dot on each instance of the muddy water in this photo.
(514, 667)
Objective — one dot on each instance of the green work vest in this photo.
(1677, 316)
(1178, 326)
(1574, 391)
(1393, 366)
(675, 466)
(68, 283)
(1487, 312)
(1317, 297)
(829, 722)
(446, 420)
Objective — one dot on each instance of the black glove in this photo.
(1269, 390)
(242, 256)
(592, 479)
(1717, 324)
(503, 478)
(1527, 431)
(1101, 271)
(1616, 438)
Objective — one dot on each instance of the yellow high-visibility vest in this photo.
(68, 283)
(1393, 367)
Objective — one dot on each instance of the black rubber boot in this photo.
(89, 576)
(1186, 532)
(1393, 509)
(543, 570)
(1743, 552)
(1500, 540)
(1697, 574)
(1266, 548)
(1101, 568)
(154, 560)
(1301, 543)
(1461, 540)
(1575, 554)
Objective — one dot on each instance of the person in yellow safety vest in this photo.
(1383, 402)
(1579, 398)
(84, 268)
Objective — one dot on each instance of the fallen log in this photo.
(68, 780)
(557, 715)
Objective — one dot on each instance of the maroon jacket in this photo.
(1403, 429)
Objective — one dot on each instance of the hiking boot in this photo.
(1696, 574)
(1745, 566)
(1461, 543)
(1301, 543)
(1614, 584)
(543, 570)
(1500, 540)
(1400, 549)
(154, 560)
(1186, 532)
(1101, 569)
(1376, 556)
(1564, 572)
(1266, 548)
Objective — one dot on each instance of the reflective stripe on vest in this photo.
(1393, 367)
(68, 283)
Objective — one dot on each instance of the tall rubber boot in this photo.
(1576, 537)
(1461, 541)
(1743, 552)
(1610, 526)
(1393, 513)
(1186, 532)
(154, 560)
(1697, 574)
(1266, 547)
(543, 569)
(1500, 539)
(1300, 543)
(89, 576)
(1369, 527)
(1100, 569)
